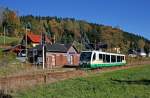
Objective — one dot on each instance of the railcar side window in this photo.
(100, 56)
(122, 58)
(104, 58)
(113, 58)
(107, 58)
(118, 58)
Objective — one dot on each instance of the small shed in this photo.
(58, 55)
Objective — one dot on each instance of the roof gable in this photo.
(72, 50)
(61, 48)
(35, 38)
(56, 48)
(71, 47)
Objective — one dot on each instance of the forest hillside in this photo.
(68, 30)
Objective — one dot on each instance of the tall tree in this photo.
(12, 20)
(141, 44)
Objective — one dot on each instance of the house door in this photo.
(70, 59)
(53, 61)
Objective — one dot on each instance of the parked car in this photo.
(132, 53)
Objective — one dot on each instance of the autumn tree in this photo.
(68, 30)
(54, 28)
(141, 44)
(11, 22)
(147, 47)
(1, 19)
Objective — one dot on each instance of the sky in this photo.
(130, 15)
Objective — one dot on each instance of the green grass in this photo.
(130, 83)
(9, 65)
(9, 40)
(8, 62)
(1, 53)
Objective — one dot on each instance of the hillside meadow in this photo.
(9, 40)
(129, 83)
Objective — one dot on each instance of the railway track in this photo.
(10, 83)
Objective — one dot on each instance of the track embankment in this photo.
(9, 83)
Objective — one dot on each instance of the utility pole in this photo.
(43, 56)
(27, 28)
(43, 48)
(4, 35)
(81, 33)
(95, 45)
(26, 42)
(5, 24)
(81, 44)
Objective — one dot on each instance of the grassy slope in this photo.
(9, 40)
(97, 86)
(9, 65)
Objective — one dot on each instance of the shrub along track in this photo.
(11, 83)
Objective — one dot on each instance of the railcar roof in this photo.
(105, 53)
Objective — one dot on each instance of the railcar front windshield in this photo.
(85, 56)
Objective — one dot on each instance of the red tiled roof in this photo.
(36, 38)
